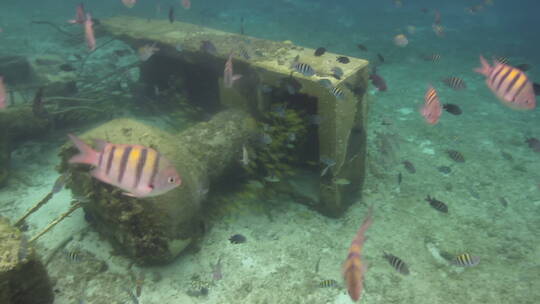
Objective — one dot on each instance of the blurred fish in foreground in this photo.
(80, 15)
(186, 4)
(353, 267)
(432, 109)
(401, 40)
(397, 263)
(89, 32)
(509, 84)
(228, 74)
(377, 80)
(139, 170)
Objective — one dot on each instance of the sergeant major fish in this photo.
(432, 109)
(138, 170)
(509, 84)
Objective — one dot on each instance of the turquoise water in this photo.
(493, 197)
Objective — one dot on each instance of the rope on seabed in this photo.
(56, 221)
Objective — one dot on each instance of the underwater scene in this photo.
(284, 151)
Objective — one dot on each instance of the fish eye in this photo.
(172, 180)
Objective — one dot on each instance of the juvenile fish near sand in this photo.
(353, 267)
(437, 205)
(509, 84)
(138, 170)
(397, 263)
(466, 260)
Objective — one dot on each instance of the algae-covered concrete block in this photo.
(155, 230)
(267, 79)
(23, 278)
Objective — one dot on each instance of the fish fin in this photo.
(87, 155)
(100, 144)
(236, 77)
(140, 192)
(485, 68)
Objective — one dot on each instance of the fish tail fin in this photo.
(485, 68)
(87, 155)
(235, 77)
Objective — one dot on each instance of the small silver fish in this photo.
(245, 156)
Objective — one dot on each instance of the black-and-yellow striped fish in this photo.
(328, 283)
(303, 68)
(338, 93)
(466, 260)
(432, 57)
(73, 255)
(139, 170)
(510, 84)
(455, 83)
(397, 263)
